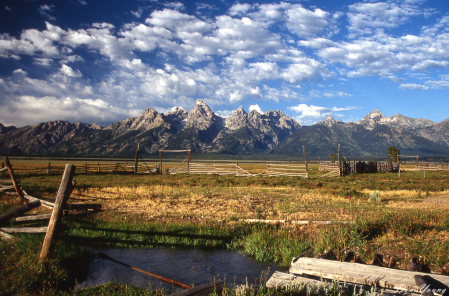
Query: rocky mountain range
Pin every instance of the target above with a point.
(242, 133)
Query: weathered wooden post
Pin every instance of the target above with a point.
(237, 167)
(339, 161)
(14, 181)
(304, 152)
(160, 162)
(98, 165)
(136, 161)
(3, 166)
(85, 167)
(268, 168)
(61, 198)
(215, 166)
(307, 170)
(189, 159)
(116, 167)
(417, 162)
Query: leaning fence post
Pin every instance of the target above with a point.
(65, 188)
(14, 181)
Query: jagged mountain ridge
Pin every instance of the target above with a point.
(203, 131)
(369, 137)
(200, 129)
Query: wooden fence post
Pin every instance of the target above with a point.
(307, 170)
(3, 166)
(215, 166)
(136, 160)
(304, 152)
(237, 167)
(339, 161)
(85, 167)
(189, 159)
(268, 168)
(61, 198)
(14, 181)
(116, 167)
(48, 168)
(160, 162)
(98, 164)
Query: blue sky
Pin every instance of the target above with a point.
(104, 61)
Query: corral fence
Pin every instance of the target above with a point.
(357, 167)
(432, 166)
(225, 168)
(86, 168)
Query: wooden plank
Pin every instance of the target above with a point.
(360, 274)
(44, 203)
(4, 188)
(4, 236)
(284, 280)
(20, 210)
(63, 195)
(14, 181)
(33, 218)
(24, 229)
(203, 290)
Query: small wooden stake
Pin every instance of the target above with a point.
(63, 195)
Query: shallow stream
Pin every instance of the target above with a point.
(189, 266)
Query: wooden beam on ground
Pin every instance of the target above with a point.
(215, 288)
(4, 188)
(14, 181)
(44, 203)
(363, 274)
(18, 211)
(42, 229)
(33, 218)
(61, 199)
(284, 280)
(5, 236)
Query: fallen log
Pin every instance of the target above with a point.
(33, 218)
(20, 210)
(159, 277)
(3, 188)
(293, 222)
(5, 236)
(44, 203)
(42, 229)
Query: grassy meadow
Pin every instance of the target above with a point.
(395, 216)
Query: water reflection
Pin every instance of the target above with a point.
(190, 266)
